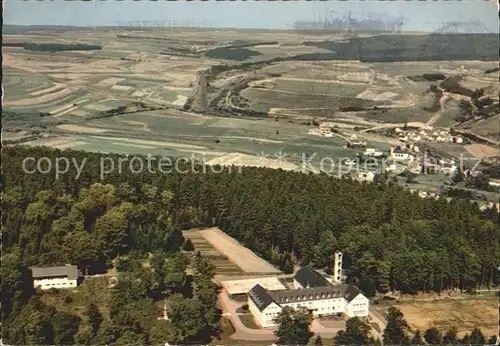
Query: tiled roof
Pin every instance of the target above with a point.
(70, 271)
(260, 297)
(308, 277)
(350, 292)
(319, 289)
(308, 294)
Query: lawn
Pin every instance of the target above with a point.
(94, 290)
(248, 321)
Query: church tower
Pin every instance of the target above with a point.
(337, 267)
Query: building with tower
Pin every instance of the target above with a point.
(312, 291)
(337, 267)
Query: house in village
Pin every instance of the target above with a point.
(398, 154)
(365, 176)
(312, 291)
(372, 152)
(55, 277)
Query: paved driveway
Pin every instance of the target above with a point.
(229, 307)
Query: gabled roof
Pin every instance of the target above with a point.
(307, 294)
(350, 292)
(70, 271)
(260, 297)
(308, 277)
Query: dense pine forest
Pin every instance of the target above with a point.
(392, 239)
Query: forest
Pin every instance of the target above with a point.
(392, 239)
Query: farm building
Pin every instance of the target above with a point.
(55, 277)
(312, 291)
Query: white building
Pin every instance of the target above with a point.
(365, 176)
(312, 291)
(55, 277)
(373, 152)
(400, 155)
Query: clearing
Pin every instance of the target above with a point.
(223, 266)
(237, 253)
(463, 312)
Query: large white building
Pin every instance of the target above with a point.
(55, 277)
(312, 291)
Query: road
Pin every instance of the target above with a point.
(386, 126)
(242, 332)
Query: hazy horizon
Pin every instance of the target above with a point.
(475, 16)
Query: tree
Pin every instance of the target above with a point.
(433, 336)
(130, 337)
(287, 264)
(477, 337)
(184, 314)
(492, 340)
(107, 334)
(323, 251)
(357, 332)
(458, 176)
(417, 338)
(395, 333)
(65, 326)
(450, 337)
(188, 245)
(84, 335)
(294, 326)
(95, 317)
(175, 271)
(161, 332)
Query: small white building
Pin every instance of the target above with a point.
(313, 292)
(373, 152)
(365, 176)
(398, 154)
(55, 277)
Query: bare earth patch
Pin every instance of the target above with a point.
(109, 81)
(465, 314)
(69, 145)
(238, 159)
(81, 129)
(154, 143)
(237, 253)
(48, 90)
(180, 101)
(481, 150)
(133, 145)
(41, 99)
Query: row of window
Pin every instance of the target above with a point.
(58, 284)
(311, 297)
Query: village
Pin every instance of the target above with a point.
(405, 157)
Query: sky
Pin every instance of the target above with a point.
(425, 16)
